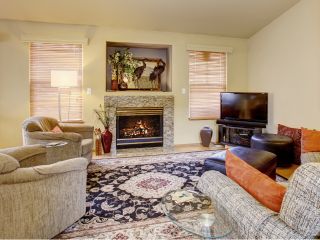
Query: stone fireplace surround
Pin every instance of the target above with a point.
(111, 103)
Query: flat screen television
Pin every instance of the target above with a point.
(247, 107)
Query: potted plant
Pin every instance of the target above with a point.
(123, 65)
(106, 136)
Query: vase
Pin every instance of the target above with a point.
(206, 135)
(106, 140)
(114, 85)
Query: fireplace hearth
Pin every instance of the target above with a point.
(139, 127)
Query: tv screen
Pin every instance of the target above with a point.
(251, 107)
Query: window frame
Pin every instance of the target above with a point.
(80, 97)
(225, 51)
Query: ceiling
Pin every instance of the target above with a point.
(232, 18)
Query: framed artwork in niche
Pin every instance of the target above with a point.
(148, 68)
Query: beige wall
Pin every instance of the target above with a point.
(14, 85)
(284, 60)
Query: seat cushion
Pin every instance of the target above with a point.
(264, 161)
(87, 145)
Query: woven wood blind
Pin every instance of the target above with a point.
(207, 78)
(48, 57)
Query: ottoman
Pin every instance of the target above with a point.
(265, 162)
(280, 145)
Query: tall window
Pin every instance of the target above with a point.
(56, 80)
(207, 78)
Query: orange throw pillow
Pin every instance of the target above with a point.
(310, 140)
(56, 129)
(260, 186)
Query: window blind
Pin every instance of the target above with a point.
(49, 58)
(207, 78)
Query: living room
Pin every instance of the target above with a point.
(270, 46)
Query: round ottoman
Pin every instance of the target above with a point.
(280, 145)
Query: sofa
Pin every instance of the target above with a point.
(310, 157)
(79, 137)
(39, 201)
(299, 216)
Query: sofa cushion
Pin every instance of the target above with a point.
(295, 134)
(301, 204)
(260, 186)
(87, 145)
(310, 157)
(310, 140)
(8, 163)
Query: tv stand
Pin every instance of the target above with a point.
(236, 134)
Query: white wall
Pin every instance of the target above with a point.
(14, 80)
(284, 60)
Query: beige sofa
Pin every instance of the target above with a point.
(79, 137)
(39, 201)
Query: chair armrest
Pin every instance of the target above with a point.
(69, 136)
(25, 152)
(30, 174)
(75, 164)
(86, 131)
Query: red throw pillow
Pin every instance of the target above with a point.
(295, 134)
(260, 186)
(56, 129)
(310, 140)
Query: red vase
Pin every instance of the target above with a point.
(106, 140)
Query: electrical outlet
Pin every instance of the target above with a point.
(89, 91)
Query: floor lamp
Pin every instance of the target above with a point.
(63, 79)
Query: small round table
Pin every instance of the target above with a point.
(280, 145)
(193, 212)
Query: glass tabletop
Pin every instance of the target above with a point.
(193, 212)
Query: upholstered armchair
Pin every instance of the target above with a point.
(79, 137)
(299, 216)
(39, 201)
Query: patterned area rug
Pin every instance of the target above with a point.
(123, 196)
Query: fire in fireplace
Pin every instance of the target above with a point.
(139, 127)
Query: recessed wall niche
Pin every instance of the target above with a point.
(153, 61)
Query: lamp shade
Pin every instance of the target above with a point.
(64, 78)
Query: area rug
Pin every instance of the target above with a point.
(123, 196)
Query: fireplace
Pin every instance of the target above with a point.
(139, 127)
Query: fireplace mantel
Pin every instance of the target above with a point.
(111, 104)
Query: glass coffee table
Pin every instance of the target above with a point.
(193, 212)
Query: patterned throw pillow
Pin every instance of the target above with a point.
(295, 134)
(310, 140)
(260, 186)
(56, 129)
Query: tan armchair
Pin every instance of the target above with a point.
(79, 137)
(39, 201)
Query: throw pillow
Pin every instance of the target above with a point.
(56, 129)
(310, 140)
(295, 134)
(260, 186)
(8, 163)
